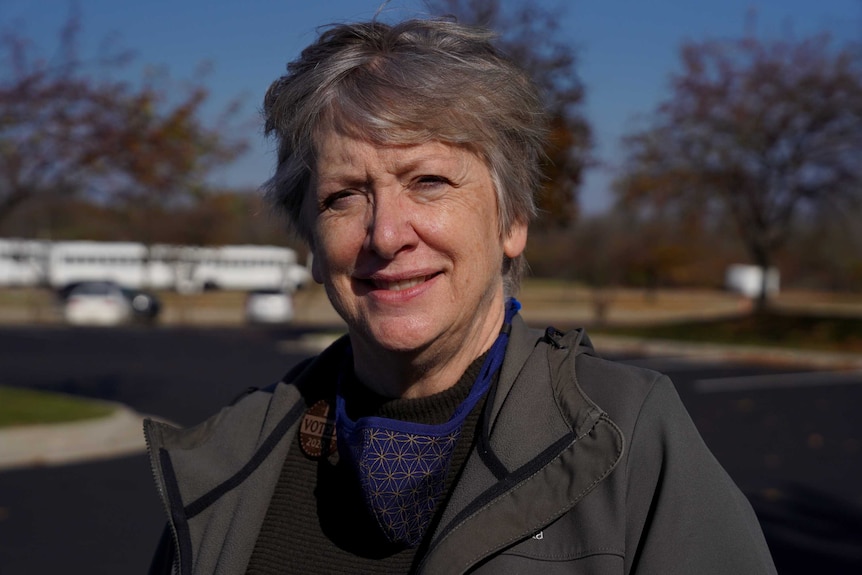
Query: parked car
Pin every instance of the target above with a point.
(268, 306)
(106, 303)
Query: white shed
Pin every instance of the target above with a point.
(748, 280)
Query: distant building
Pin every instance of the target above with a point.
(748, 280)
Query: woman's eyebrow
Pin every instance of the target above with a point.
(430, 161)
(334, 183)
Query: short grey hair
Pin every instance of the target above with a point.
(410, 83)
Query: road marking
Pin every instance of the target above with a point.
(668, 364)
(307, 344)
(778, 381)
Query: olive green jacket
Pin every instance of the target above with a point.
(582, 466)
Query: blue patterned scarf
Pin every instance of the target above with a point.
(401, 465)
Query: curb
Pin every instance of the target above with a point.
(717, 352)
(120, 433)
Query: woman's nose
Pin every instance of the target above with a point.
(390, 228)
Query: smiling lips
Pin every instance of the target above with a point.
(401, 285)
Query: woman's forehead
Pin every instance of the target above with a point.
(334, 149)
(401, 121)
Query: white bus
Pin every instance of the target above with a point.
(23, 262)
(184, 268)
(126, 263)
(246, 267)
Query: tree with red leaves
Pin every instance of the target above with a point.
(70, 127)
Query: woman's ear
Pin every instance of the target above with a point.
(316, 271)
(516, 240)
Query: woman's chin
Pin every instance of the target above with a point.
(398, 335)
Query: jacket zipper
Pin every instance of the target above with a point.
(165, 503)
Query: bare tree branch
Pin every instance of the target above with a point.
(767, 128)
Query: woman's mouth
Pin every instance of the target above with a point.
(400, 285)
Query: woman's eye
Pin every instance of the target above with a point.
(431, 182)
(338, 200)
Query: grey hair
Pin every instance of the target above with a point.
(409, 83)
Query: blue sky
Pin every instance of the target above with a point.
(627, 49)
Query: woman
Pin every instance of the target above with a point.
(440, 435)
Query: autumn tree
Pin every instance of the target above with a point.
(70, 127)
(531, 36)
(758, 132)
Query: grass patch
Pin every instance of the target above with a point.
(776, 329)
(28, 407)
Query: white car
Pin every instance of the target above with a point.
(96, 303)
(106, 303)
(268, 306)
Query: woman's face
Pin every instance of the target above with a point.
(406, 242)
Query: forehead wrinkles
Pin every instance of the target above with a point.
(338, 155)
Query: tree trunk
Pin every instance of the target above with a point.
(764, 261)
